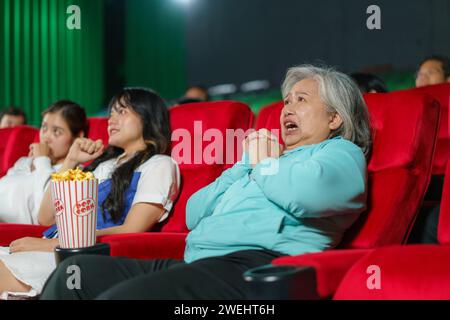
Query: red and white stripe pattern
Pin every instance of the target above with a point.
(76, 212)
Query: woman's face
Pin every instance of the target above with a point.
(304, 118)
(125, 128)
(56, 134)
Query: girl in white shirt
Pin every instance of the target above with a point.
(138, 184)
(21, 190)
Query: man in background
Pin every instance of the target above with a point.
(12, 117)
(193, 94)
(433, 70)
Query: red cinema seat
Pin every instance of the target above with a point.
(98, 129)
(412, 272)
(441, 93)
(202, 121)
(14, 144)
(405, 128)
(4, 136)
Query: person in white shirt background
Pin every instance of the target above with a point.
(22, 189)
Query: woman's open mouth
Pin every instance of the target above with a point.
(290, 127)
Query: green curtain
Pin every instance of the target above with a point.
(43, 61)
(155, 46)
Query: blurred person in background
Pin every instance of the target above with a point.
(434, 69)
(193, 94)
(11, 117)
(369, 83)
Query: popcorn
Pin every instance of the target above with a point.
(72, 175)
(74, 194)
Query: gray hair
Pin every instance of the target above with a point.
(340, 94)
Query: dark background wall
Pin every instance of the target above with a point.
(168, 44)
(242, 40)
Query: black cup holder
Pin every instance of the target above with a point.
(271, 282)
(62, 253)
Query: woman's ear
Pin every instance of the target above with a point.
(80, 134)
(335, 121)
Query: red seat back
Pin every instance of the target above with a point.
(4, 136)
(14, 144)
(98, 129)
(441, 93)
(407, 272)
(197, 127)
(405, 126)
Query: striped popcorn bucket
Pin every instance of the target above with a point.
(76, 212)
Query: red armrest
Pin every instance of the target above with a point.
(156, 245)
(10, 232)
(330, 266)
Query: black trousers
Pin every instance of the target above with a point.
(103, 277)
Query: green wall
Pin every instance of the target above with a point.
(43, 61)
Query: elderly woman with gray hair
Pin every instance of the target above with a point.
(276, 201)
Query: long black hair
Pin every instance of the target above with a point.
(154, 115)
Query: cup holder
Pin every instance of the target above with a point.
(62, 253)
(272, 282)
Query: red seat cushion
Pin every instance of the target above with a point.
(399, 167)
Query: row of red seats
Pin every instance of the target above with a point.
(406, 130)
